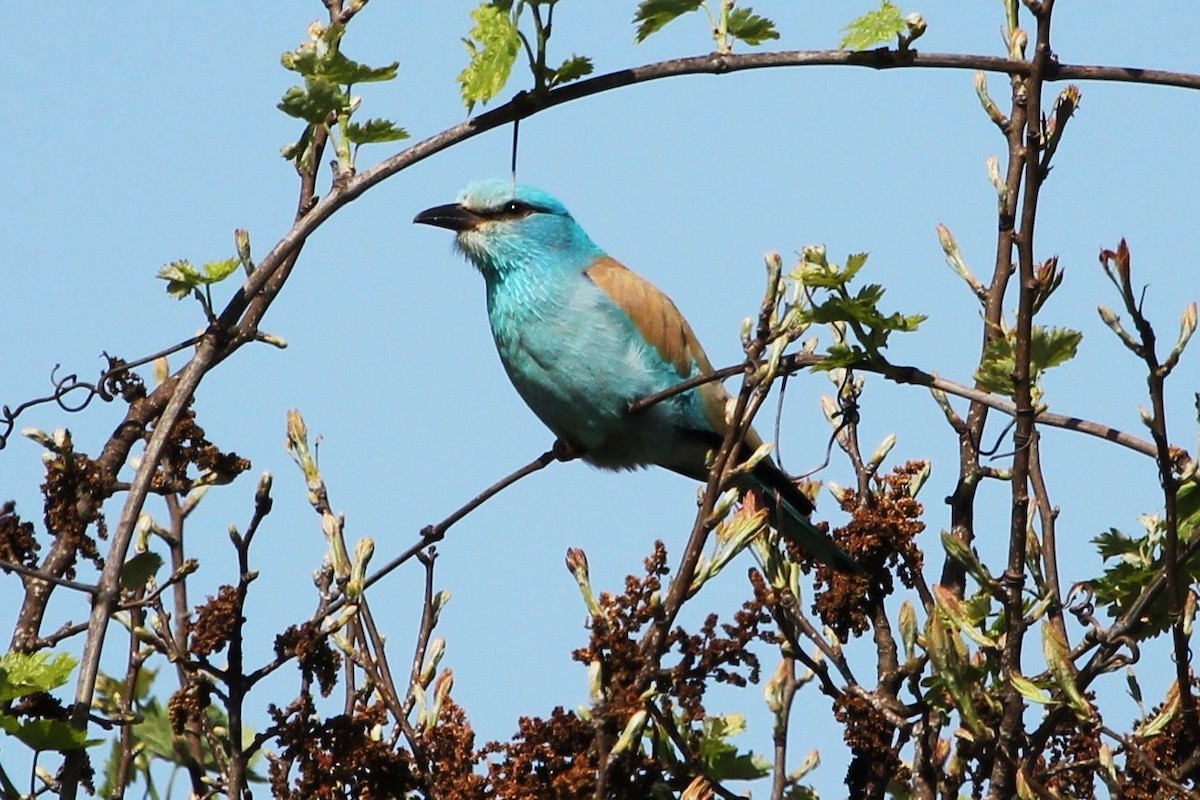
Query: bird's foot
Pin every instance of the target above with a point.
(566, 451)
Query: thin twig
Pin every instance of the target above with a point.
(1008, 758)
(435, 533)
(779, 732)
(36, 574)
(668, 726)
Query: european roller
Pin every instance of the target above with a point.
(582, 337)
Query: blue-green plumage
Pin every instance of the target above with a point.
(581, 337)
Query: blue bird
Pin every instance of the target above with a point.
(582, 337)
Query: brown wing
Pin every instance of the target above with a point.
(653, 313)
(661, 324)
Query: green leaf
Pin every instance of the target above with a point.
(319, 98)
(1053, 346)
(572, 69)
(957, 615)
(303, 60)
(1049, 348)
(1028, 689)
(112, 769)
(1114, 544)
(375, 131)
(181, 278)
(652, 15)
(1134, 562)
(816, 271)
(47, 734)
(722, 758)
(496, 42)
(1058, 658)
(138, 570)
(868, 325)
(217, 271)
(1170, 709)
(840, 355)
(23, 674)
(310, 57)
(749, 27)
(321, 58)
(155, 734)
(964, 554)
(854, 263)
(1187, 507)
(877, 27)
(340, 69)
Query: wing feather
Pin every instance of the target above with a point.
(652, 313)
(661, 324)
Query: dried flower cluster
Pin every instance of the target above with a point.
(550, 758)
(189, 446)
(876, 759)
(215, 624)
(1148, 761)
(75, 487)
(17, 542)
(449, 748)
(316, 658)
(880, 537)
(1073, 757)
(188, 706)
(342, 756)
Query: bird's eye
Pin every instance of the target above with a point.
(516, 207)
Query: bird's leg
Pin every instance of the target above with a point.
(563, 450)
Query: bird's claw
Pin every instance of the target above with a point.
(566, 451)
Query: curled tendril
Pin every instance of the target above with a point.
(62, 387)
(1118, 659)
(993, 452)
(1084, 609)
(116, 380)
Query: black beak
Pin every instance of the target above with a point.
(452, 216)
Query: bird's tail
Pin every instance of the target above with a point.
(791, 510)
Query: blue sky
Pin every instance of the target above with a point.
(142, 138)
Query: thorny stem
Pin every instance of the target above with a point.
(787, 629)
(428, 619)
(887, 662)
(962, 501)
(805, 626)
(237, 324)
(376, 660)
(748, 400)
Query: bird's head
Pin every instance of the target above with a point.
(504, 228)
